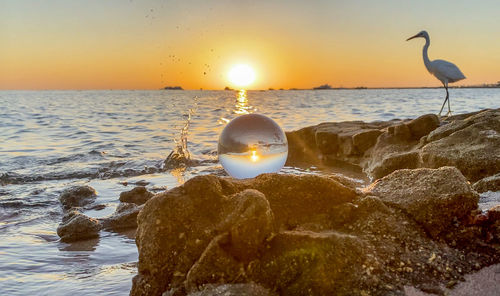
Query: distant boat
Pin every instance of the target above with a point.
(324, 86)
(173, 88)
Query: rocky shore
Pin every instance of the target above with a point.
(416, 225)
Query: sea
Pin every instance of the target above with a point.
(115, 140)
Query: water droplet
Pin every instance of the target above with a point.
(252, 144)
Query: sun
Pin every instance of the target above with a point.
(241, 75)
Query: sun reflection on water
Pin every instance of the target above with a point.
(242, 106)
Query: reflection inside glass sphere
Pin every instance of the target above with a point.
(252, 144)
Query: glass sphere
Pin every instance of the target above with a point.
(252, 144)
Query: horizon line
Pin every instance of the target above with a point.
(256, 89)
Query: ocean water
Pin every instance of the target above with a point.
(50, 140)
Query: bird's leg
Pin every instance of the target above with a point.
(447, 95)
(449, 109)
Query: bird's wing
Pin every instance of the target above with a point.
(447, 70)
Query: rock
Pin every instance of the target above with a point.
(77, 196)
(310, 263)
(77, 226)
(423, 125)
(124, 217)
(302, 146)
(139, 195)
(491, 183)
(471, 145)
(494, 213)
(247, 289)
(433, 197)
(296, 200)
(347, 146)
(394, 150)
(215, 265)
(400, 131)
(393, 162)
(349, 139)
(176, 227)
(327, 141)
(312, 235)
(365, 139)
(467, 141)
(250, 220)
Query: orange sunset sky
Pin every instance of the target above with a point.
(122, 44)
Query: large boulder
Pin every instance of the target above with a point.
(77, 226)
(472, 145)
(312, 235)
(433, 197)
(177, 228)
(77, 196)
(139, 195)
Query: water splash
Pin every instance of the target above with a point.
(180, 156)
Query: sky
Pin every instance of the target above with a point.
(125, 44)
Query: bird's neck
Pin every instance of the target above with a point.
(427, 62)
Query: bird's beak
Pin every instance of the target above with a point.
(412, 37)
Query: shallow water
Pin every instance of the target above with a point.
(50, 140)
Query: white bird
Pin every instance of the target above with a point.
(445, 71)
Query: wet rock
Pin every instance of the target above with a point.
(491, 183)
(77, 196)
(125, 217)
(77, 226)
(179, 158)
(423, 125)
(139, 195)
(247, 289)
(433, 197)
(471, 145)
